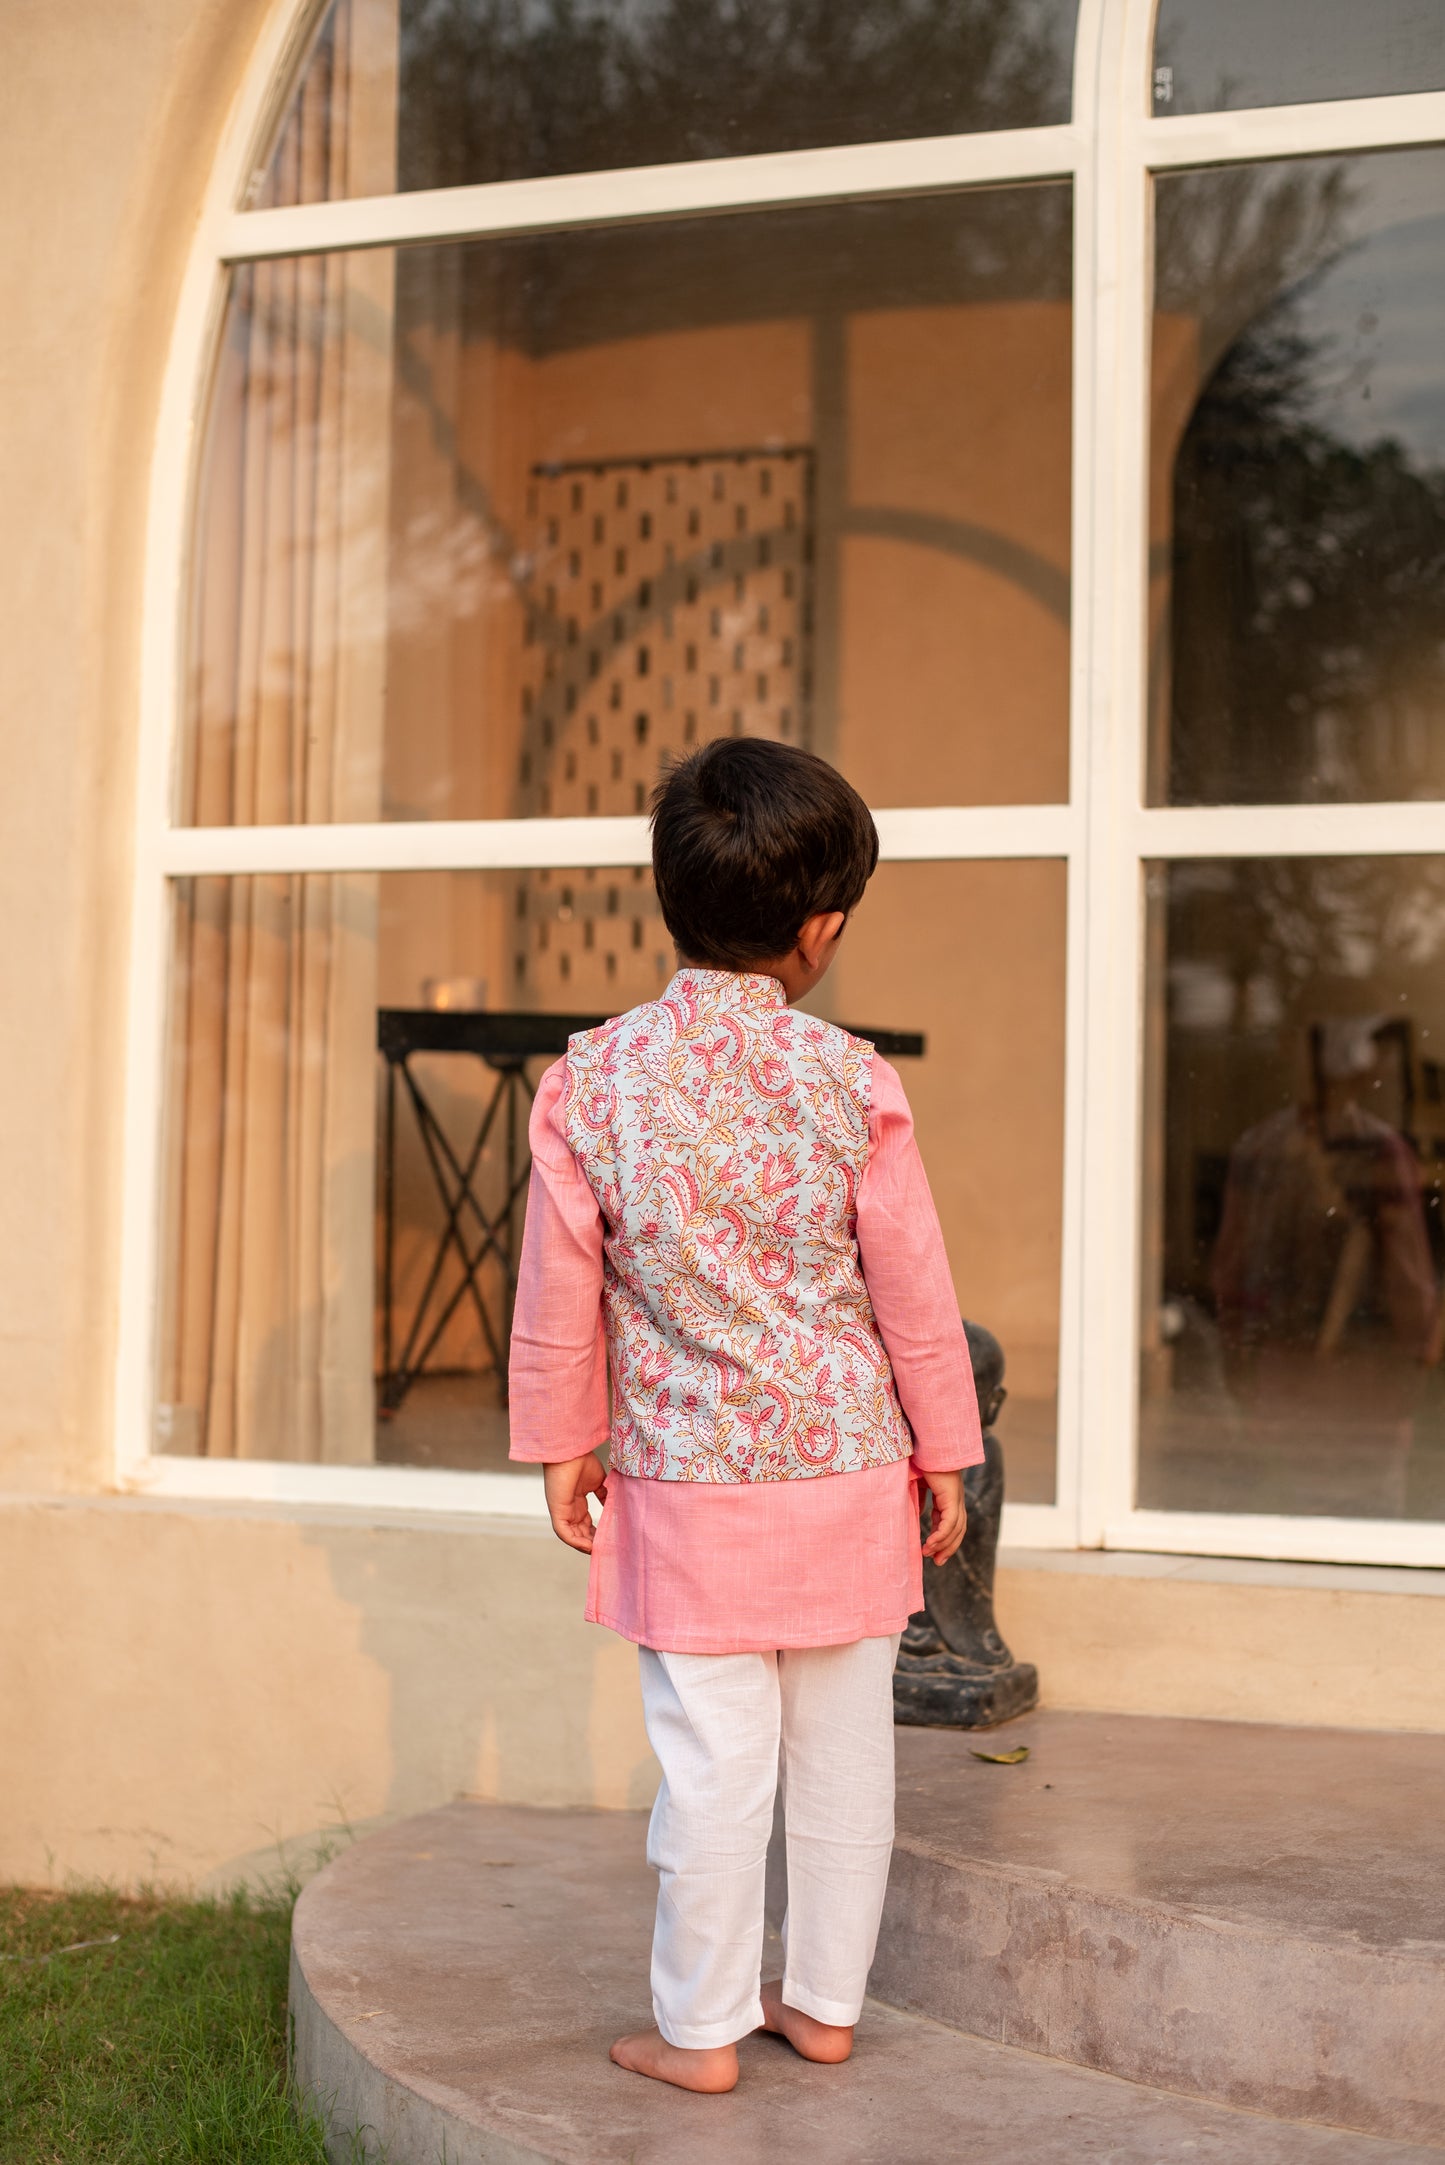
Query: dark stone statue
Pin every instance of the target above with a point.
(954, 1671)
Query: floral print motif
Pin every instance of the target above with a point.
(724, 1136)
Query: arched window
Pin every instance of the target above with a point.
(589, 381)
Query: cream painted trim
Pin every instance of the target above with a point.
(250, 1480)
(978, 831)
(183, 390)
(1289, 830)
(1291, 131)
(1305, 1540)
(409, 1488)
(406, 846)
(911, 833)
(705, 187)
(1115, 559)
(1039, 1525)
(969, 831)
(295, 28)
(1059, 1523)
(1195, 1570)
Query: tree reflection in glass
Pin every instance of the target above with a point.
(1299, 486)
(1218, 55)
(492, 90)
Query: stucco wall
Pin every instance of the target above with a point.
(188, 1694)
(109, 118)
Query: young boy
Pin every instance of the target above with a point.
(729, 1223)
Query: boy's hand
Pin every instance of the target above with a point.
(568, 1487)
(950, 1516)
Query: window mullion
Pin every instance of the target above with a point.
(1118, 546)
(849, 172)
(1291, 830)
(1073, 1427)
(907, 834)
(1294, 131)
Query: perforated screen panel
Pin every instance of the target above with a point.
(668, 602)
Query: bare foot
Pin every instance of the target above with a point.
(649, 2053)
(825, 2041)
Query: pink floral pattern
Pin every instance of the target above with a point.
(724, 1136)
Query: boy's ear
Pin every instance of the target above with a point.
(818, 933)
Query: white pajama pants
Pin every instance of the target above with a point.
(725, 1728)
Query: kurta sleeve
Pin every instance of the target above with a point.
(558, 1368)
(905, 1267)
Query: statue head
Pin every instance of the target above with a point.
(986, 1354)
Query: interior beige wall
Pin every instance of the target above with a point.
(954, 666)
(973, 955)
(109, 117)
(204, 1693)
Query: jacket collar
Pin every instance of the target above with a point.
(726, 988)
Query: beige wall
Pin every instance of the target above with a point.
(109, 117)
(190, 1694)
(1312, 1645)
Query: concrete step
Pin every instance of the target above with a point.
(1235, 1911)
(457, 1978)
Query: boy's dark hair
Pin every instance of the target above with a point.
(750, 838)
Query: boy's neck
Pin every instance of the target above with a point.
(804, 966)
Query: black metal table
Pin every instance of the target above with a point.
(504, 1043)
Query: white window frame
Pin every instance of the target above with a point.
(1126, 834)
(1104, 835)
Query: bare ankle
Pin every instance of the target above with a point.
(829, 2043)
(710, 2070)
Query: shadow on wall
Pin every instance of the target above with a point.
(497, 1688)
(449, 1659)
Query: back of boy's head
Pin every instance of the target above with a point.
(750, 838)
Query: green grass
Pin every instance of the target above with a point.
(166, 2048)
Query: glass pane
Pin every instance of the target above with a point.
(1295, 1163)
(1213, 55)
(344, 1048)
(973, 956)
(1298, 508)
(489, 530)
(351, 1063)
(441, 93)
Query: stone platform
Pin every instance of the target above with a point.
(1237, 1911)
(1253, 1915)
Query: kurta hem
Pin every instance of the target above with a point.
(681, 1642)
(752, 1569)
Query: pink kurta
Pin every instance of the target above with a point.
(746, 1567)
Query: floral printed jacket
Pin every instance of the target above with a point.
(724, 1136)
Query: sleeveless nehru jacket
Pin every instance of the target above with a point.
(724, 1136)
